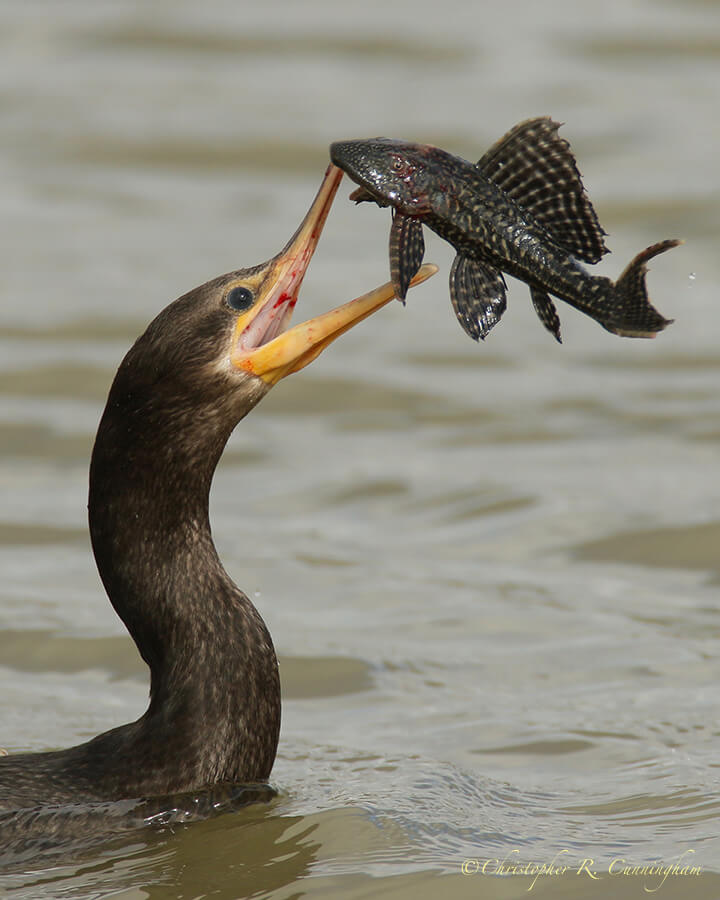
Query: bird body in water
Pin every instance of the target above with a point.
(200, 367)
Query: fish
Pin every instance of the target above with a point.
(522, 210)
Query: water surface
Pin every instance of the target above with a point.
(491, 572)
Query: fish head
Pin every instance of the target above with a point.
(393, 173)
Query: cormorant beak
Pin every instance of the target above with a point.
(261, 346)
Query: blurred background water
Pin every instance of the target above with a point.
(491, 572)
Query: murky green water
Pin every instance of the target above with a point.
(491, 571)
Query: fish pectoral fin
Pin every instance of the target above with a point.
(407, 248)
(536, 168)
(545, 309)
(477, 292)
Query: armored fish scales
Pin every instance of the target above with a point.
(521, 210)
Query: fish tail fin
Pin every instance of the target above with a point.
(633, 315)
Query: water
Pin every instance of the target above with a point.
(491, 572)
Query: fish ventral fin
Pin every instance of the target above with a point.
(407, 248)
(546, 311)
(477, 292)
(536, 168)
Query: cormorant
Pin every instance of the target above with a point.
(201, 365)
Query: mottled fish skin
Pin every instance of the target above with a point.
(521, 210)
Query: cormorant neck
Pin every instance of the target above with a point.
(214, 695)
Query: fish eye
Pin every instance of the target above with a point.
(240, 298)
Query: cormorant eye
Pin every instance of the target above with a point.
(240, 298)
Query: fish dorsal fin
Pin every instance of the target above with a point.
(535, 167)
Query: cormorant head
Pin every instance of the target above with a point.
(213, 353)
